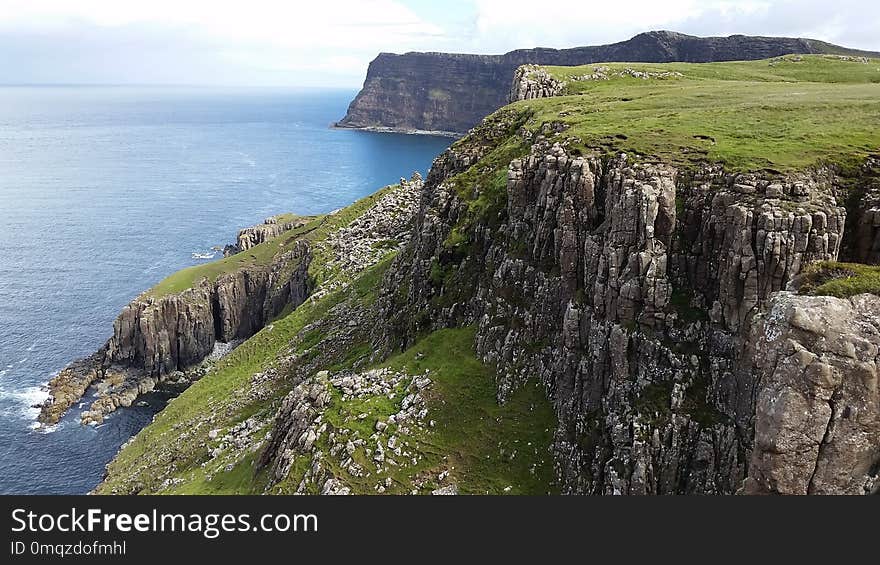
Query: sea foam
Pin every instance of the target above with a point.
(26, 400)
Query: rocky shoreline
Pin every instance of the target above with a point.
(405, 131)
(661, 307)
(173, 340)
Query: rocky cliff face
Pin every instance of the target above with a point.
(156, 339)
(654, 300)
(171, 333)
(862, 242)
(272, 227)
(453, 92)
(630, 289)
(817, 420)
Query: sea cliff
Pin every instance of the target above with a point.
(451, 92)
(572, 301)
(162, 336)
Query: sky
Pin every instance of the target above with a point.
(331, 42)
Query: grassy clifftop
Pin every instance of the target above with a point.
(209, 439)
(264, 254)
(782, 114)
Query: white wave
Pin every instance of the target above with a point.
(211, 255)
(43, 428)
(27, 400)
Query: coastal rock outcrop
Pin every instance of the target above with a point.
(817, 421)
(69, 386)
(160, 335)
(255, 235)
(160, 338)
(167, 337)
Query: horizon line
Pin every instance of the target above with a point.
(164, 85)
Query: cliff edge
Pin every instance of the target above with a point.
(450, 93)
(629, 282)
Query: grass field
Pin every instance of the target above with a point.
(781, 114)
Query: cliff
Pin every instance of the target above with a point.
(634, 314)
(271, 228)
(577, 301)
(175, 332)
(159, 335)
(446, 92)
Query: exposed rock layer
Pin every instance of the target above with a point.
(862, 241)
(176, 331)
(630, 289)
(156, 338)
(817, 421)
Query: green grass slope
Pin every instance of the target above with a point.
(263, 255)
(483, 446)
(781, 114)
(842, 280)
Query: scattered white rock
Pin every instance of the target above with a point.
(447, 490)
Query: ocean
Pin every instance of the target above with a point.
(104, 191)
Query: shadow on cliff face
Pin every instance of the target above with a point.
(634, 292)
(161, 339)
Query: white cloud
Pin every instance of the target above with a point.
(330, 42)
(278, 22)
(337, 37)
(507, 24)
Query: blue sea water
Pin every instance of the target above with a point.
(106, 190)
